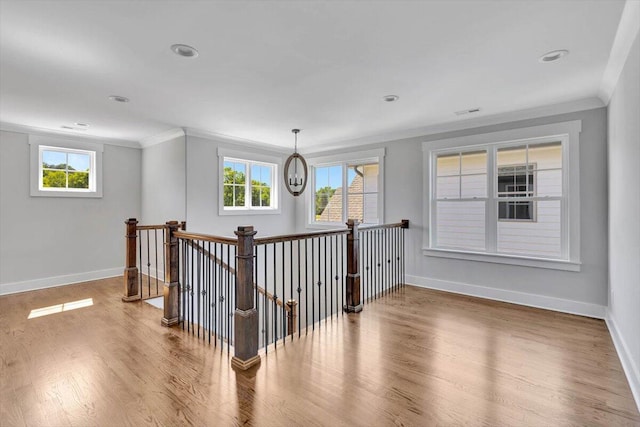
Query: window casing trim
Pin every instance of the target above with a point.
(568, 132)
(38, 143)
(250, 158)
(344, 160)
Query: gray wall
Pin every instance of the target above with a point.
(202, 194)
(46, 241)
(164, 182)
(403, 199)
(624, 216)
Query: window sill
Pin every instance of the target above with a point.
(552, 264)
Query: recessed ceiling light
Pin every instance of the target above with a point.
(82, 125)
(184, 50)
(390, 98)
(65, 127)
(554, 55)
(118, 98)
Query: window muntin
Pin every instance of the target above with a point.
(66, 169)
(248, 185)
(524, 213)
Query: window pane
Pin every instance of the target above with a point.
(238, 199)
(355, 180)
(448, 164)
(328, 194)
(54, 160)
(448, 187)
(510, 156)
(549, 183)
(474, 163)
(79, 180)
(517, 210)
(473, 186)
(540, 238)
(54, 179)
(371, 178)
(546, 156)
(370, 214)
(461, 224)
(79, 162)
(355, 207)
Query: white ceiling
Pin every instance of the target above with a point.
(266, 67)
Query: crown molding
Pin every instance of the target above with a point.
(200, 133)
(477, 122)
(32, 130)
(162, 137)
(625, 37)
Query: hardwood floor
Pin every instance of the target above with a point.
(418, 357)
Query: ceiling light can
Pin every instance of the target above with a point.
(390, 98)
(118, 98)
(554, 55)
(184, 50)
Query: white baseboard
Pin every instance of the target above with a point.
(531, 300)
(631, 369)
(50, 282)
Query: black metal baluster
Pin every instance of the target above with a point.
(306, 286)
(313, 281)
(326, 282)
(299, 289)
(275, 296)
(282, 297)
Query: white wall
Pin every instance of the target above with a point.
(49, 241)
(624, 218)
(582, 292)
(202, 194)
(164, 182)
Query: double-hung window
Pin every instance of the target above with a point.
(346, 187)
(248, 185)
(500, 198)
(61, 168)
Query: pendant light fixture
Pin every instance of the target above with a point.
(295, 170)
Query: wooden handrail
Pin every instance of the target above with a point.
(151, 227)
(403, 224)
(300, 236)
(206, 238)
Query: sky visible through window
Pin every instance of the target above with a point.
(78, 162)
(331, 175)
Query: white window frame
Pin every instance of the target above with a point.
(568, 133)
(344, 160)
(38, 144)
(250, 159)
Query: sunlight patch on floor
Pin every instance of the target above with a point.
(156, 302)
(59, 308)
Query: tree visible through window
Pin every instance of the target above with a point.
(63, 169)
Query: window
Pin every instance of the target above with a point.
(65, 168)
(248, 183)
(346, 187)
(506, 198)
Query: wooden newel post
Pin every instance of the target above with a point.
(245, 339)
(354, 305)
(292, 314)
(171, 282)
(131, 290)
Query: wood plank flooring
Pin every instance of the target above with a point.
(415, 358)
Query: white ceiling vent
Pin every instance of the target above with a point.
(469, 111)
